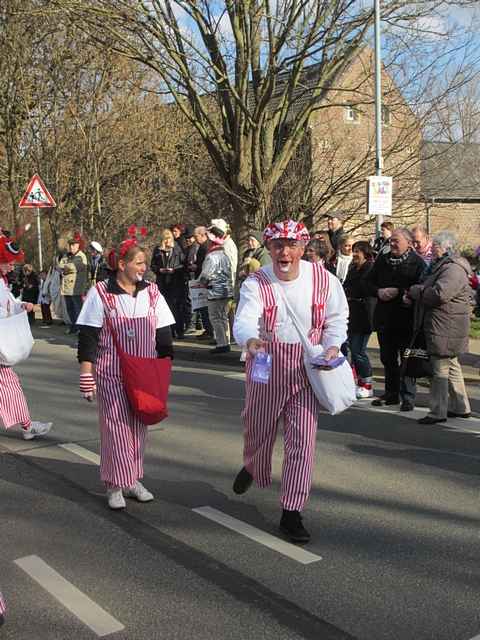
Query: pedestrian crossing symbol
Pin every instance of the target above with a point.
(36, 195)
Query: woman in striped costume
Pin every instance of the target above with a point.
(13, 404)
(262, 323)
(141, 319)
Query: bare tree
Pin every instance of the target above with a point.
(236, 69)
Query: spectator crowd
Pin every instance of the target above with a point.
(403, 285)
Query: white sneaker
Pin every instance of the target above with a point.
(116, 499)
(36, 429)
(138, 492)
(362, 392)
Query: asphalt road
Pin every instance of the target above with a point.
(394, 518)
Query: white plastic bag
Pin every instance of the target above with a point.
(333, 388)
(16, 340)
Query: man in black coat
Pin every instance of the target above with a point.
(391, 276)
(335, 221)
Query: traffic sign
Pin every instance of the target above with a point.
(36, 195)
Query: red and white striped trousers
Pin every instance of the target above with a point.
(122, 435)
(287, 395)
(13, 404)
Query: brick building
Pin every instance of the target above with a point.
(450, 189)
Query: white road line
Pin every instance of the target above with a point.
(81, 451)
(290, 550)
(85, 609)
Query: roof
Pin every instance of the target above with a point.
(451, 171)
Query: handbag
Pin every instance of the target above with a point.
(416, 362)
(146, 381)
(16, 338)
(333, 388)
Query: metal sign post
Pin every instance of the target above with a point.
(39, 239)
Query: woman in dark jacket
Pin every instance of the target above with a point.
(445, 304)
(360, 323)
(168, 264)
(31, 289)
(391, 276)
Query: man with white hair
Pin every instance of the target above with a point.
(263, 324)
(97, 265)
(229, 246)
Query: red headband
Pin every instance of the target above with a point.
(115, 255)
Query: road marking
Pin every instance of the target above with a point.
(81, 451)
(85, 609)
(292, 551)
(219, 373)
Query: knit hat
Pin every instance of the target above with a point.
(189, 231)
(97, 246)
(288, 229)
(258, 235)
(220, 223)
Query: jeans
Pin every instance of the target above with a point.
(392, 345)
(360, 360)
(74, 306)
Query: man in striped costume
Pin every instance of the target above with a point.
(262, 323)
(13, 405)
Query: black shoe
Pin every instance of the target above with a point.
(430, 420)
(291, 525)
(450, 414)
(406, 406)
(224, 349)
(243, 481)
(385, 399)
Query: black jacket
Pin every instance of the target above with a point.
(201, 255)
(360, 304)
(394, 315)
(31, 286)
(335, 237)
(171, 281)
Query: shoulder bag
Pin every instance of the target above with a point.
(146, 380)
(16, 340)
(333, 388)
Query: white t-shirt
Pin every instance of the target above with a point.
(299, 294)
(7, 300)
(92, 313)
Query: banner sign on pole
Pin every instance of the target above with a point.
(379, 196)
(36, 195)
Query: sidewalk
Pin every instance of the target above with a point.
(195, 350)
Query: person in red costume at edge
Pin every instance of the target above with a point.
(141, 319)
(13, 404)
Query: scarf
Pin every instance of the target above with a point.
(395, 262)
(341, 270)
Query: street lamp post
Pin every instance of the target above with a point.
(378, 106)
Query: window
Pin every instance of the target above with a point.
(352, 114)
(385, 115)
